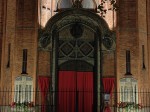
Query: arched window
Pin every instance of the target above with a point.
(23, 89)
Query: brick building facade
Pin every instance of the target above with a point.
(23, 23)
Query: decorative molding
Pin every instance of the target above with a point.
(109, 41)
(23, 89)
(128, 88)
(44, 38)
(71, 16)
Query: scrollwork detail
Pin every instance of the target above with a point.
(108, 41)
(44, 39)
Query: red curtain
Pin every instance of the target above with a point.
(43, 86)
(66, 91)
(75, 91)
(85, 91)
(108, 84)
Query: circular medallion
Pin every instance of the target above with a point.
(76, 30)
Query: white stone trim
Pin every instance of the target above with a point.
(23, 89)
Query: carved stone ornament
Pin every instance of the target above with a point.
(71, 17)
(108, 41)
(44, 39)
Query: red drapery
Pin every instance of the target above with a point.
(66, 89)
(108, 84)
(85, 89)
(44, 82)
(75, 91)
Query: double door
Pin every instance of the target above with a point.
(75, 91)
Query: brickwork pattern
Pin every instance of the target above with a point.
(44, 63)
(21, 32)
(21, 27)
(108, 63)
(142, 34)
(127, 37)
(148, 36)
(1, 28)
(132, 34)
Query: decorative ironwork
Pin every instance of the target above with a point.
(7, 106)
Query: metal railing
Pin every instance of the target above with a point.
(73, 101)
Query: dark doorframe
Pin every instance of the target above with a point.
(96, 68)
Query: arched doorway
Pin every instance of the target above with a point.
(74, 38)
(75, 53)
(76, 59)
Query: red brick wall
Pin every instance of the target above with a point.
(127, 37)
(26, 13)
(8, 34)
(148, 34)
(26, 36)
(44, 63)
(22, 33)
(142, 33)
(131, 35)
(1, 29)
(108, 64)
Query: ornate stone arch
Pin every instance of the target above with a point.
(104, 40)
(70, 16)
